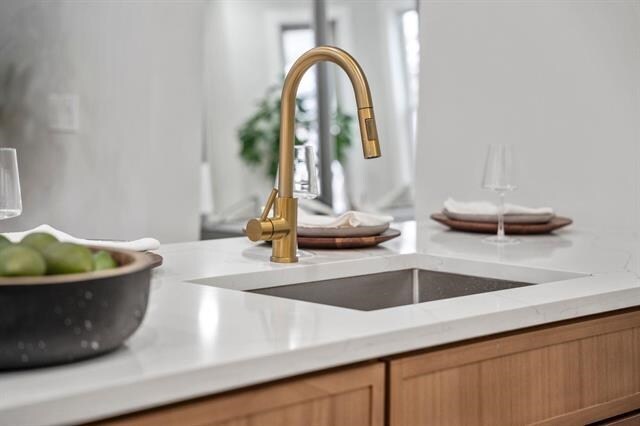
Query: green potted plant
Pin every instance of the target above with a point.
(259, 136)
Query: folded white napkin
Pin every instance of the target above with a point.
(142, 244)
(488, 208)
(485, 211)
(350, 219)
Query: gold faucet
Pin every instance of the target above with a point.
(282, 227)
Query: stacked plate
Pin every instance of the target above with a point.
(358, 231)
(349, 230)
(481, 217)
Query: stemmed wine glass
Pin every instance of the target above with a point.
(499, 177)
(10, 198)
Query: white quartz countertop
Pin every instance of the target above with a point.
(202, 339)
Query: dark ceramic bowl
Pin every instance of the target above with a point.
(64, 318)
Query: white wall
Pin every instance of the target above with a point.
(133, 167)
(560, 80)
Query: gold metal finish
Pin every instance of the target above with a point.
(282, 228)
(259, 230)
(368, 133)
(269, 204)
(285, 248)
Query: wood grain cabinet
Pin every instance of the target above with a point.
(577, 372)
(348, 397)
(573, 373)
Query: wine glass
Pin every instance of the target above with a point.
(305, 172)
(499, 177)
(10, 198)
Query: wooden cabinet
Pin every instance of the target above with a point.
(570, 373)
(347, 397)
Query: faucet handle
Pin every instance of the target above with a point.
(269, 204)
(264, 228)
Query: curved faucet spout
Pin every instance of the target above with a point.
(282, 227)
(366, 117)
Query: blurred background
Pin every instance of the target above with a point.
(157, 118)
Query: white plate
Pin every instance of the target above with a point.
(508, 218)
(358, 231)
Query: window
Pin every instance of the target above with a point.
(297, 39)
(411, 42)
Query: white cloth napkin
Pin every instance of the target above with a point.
(142, 244)
(485, 211)
(350, 219)
(488, 208)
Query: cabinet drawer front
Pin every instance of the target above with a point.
(572, 373)
(353, 396)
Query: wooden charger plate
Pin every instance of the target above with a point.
(556, 222)
(347, 242)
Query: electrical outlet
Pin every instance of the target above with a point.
(64, 112)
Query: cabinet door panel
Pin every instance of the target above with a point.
(570, 373)
(353, 396)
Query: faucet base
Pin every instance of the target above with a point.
(285, 248)
(293, 259)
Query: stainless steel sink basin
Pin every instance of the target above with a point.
(389, 289)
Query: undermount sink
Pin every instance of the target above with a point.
(389, 289)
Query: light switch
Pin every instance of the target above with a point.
(64, 112)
